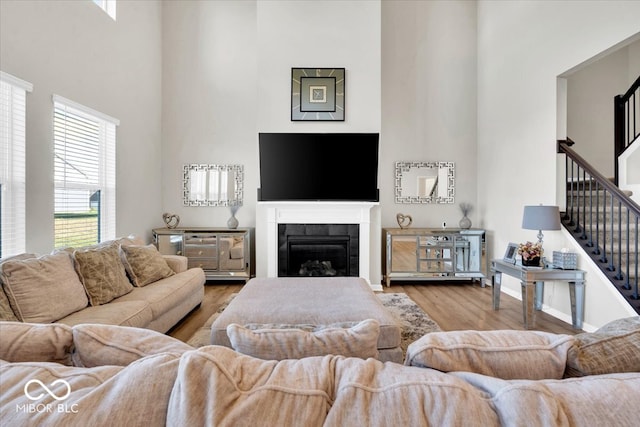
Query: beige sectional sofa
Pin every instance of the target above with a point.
(122, 282)
(107, 375)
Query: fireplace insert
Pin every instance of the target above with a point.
(318, 250)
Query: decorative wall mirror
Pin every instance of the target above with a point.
(212, 185)
(424, 182)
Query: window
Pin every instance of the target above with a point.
(108, 6)
(13, 97)
(84, 144)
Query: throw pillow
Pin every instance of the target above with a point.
(506, 354)
(32, 342)
(360, 340)
(98, 345)
(611, 349)
(144, 264)
(102, 273)
(6, 312)
(44, 289)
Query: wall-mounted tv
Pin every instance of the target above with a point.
(318, 166)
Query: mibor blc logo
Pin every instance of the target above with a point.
(35, 390)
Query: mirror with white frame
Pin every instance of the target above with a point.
(212, 185)
(424, 182)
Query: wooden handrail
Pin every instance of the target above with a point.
(564, 147)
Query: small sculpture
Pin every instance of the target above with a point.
(404, 221)
(172, 220)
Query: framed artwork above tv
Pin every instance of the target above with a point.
(317, 94)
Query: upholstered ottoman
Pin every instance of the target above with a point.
(287, 301)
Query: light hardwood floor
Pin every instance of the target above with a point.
(454, 306)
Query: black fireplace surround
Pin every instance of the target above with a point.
(318, 250)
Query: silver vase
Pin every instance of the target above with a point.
(232, 223)
(465, 223)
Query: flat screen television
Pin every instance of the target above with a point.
(318, 166)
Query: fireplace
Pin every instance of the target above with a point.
(270, 215)
(318, 250)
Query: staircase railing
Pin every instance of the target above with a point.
(604, 220)
(626, 116)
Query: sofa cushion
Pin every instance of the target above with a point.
(122, 313)
(44, 289)
(371, 393)
(97, 345)
(102, 273)
(613, 348)
(145, 264)
(239, 390)
(134, 395)
(35, 342)
(162, 296)
(278, 344)
(587, 401)
(506, 354)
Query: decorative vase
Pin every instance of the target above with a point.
(531, 262)
(465, 223)
(232, 223)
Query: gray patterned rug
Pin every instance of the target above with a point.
(414, 321)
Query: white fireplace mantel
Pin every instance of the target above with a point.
(270, 214)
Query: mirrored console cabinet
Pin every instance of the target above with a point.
(222, 253)
(433, 254)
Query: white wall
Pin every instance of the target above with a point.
(522, 48)
(74, 49)
(209, 100)
(590, 93)
(429, 102)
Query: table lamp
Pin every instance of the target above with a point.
(541, 218)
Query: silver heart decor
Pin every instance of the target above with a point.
(172, 220)
(404, 221)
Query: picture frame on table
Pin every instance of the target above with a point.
(510, 253)
(317, 94)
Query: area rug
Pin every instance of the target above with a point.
(413, 320)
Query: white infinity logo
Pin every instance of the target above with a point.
(52, 394)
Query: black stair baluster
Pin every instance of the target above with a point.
(589, 244)
(573, 183)
(611, 266)
(583, 192)
(603, 258)
(619, 276)
(627, 283)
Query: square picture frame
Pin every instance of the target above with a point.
(317, 94)
(510, 253)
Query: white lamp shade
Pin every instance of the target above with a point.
(541, 218)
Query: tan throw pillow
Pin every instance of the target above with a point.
(102, 274)
(32, 342)
(278, 344)
(6, 312)
(144, 264)
(506, 354)
(98, 345)
(611, 349)
(43, 290)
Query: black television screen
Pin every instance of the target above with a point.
(318, 166)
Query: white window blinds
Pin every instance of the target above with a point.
(13, 95)
(84, 174)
